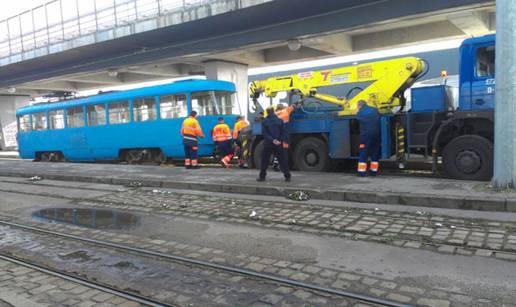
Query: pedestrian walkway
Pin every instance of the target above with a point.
(400, 190)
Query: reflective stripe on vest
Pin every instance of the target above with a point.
(221, 133)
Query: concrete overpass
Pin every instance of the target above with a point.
(112, 43)
(63, 46)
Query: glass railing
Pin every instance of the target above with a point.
(63, 20)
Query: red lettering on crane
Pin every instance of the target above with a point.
(325, 75)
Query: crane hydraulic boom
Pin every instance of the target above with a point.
(388, 80)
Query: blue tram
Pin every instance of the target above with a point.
(135, 125)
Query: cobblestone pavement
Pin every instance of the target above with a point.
(169, 282)
(411, 230)
(21, 286)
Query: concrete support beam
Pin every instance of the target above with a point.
(337, 44)
(404, 36)
(8, 106)
(285, 55)
(505, 105)
(100, 78)
(475, 23)
(233, 72)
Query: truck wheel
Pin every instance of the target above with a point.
(311, 154)
(257, 156)
(469, 157)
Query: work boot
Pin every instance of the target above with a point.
(260, 179)
(288, 179)
(195, 167)
(188, 166)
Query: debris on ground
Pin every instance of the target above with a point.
(452, 227)
(291, 221)
(233, 202)
(182, 206)
(253, 214)
(35, 178)
(420, 212)
(134, 184)
(299, 196)
(438, 224)
(376, 209)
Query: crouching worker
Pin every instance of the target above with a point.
(369, 121)
(223, 142)
(191, 131)
(240, 124)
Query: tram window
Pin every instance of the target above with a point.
(214, 103)
(96, 115)
(485, 62)
(39, 121)
(119, 112)
(172, 106)
(144, 109)
(24, 123)
(75, 117)
(56, 119)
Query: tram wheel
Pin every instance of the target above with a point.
(133, 156)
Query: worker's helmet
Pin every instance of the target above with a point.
(221, 119)
(281, 106)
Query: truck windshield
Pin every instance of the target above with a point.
(215, 103)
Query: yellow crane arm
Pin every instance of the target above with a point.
(389, 80)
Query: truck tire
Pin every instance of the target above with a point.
(257, 155)
(469, 157)
(311, 155)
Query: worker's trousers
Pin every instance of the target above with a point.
(225, 151)
(369, 148)
(279, 152)
(191, 155)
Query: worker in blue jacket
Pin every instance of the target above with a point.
(369, 120)
(275, 140)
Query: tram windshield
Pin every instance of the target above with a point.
(215, 103)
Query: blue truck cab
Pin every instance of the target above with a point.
(432, 124)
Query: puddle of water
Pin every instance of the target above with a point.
(90, 218)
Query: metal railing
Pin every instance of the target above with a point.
(62, 20)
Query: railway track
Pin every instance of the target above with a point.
(84, 282)
(176, 258)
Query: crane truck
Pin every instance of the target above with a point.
(325, 128)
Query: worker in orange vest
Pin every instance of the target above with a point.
(191, 131)
(240, 124)
(221, 135)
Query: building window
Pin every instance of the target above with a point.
(172, 106)
(24, 123)
(214, 103)
(56, 119)
(39, 121)
(485, 62)
(97, 115)
(75, 117)
(144, 109)
(119, 112)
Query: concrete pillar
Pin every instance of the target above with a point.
(233, 72)
(505, 106)
(8, 106)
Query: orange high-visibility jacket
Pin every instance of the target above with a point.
(239, 125)
(221, 133)
(191, 129)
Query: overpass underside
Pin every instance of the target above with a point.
(252, 33)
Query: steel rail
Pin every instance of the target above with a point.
(286, 281)
(84, 282)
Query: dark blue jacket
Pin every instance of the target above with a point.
(369, 120)
(273, 128)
